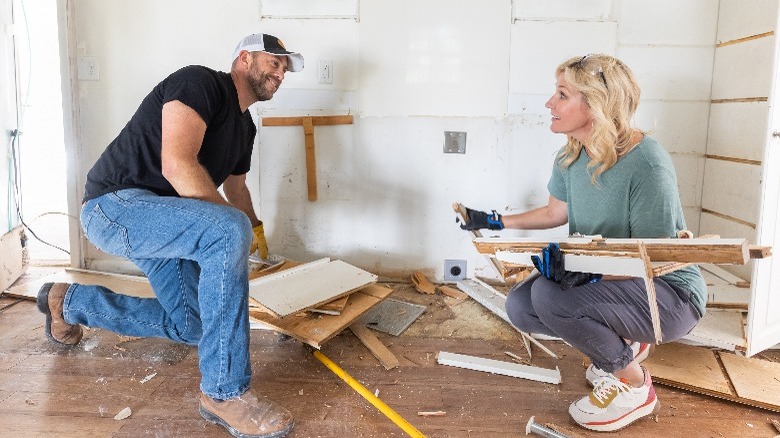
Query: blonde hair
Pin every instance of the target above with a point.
(612, 94)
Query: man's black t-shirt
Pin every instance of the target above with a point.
(133, 159)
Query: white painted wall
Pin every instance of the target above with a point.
(408, 71)
(741, 87)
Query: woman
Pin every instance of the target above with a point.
(613, 180)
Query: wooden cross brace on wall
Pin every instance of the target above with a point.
(308, 123)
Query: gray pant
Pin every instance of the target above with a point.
(595, 318)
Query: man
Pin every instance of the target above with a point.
(152, 197)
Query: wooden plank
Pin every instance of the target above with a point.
(132, 285)
(500, 367)
(316, 120)
(332, 307)
(650, 289)
(745, 39)
(13, 257)
(308, 286)
(375, 346)
(315, 330)
(729, 218)
(697, 250)
(311, 160)
(687, 366)
(733, 159)
(755, 380)
(759, 252)
(697, 369)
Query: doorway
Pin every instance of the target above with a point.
(40, 189)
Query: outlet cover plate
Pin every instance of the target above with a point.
(454, 142)
(454, 270)
(88, 68)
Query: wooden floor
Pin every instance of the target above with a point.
(46, 390)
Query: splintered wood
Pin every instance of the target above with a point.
(698, 250)
(316, 329)
(630, 257)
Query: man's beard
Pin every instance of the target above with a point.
(258, 86)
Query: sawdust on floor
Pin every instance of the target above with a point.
(445, 317)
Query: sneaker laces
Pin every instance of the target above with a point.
(605, 387)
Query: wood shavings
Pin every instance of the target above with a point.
(124, 413)
(148, 378)
(431, 413)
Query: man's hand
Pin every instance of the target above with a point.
(551, 265)
(479, 219)
(258, 242)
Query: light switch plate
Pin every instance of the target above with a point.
(454, 142)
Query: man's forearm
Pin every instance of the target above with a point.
(239, 197)
(192, 181)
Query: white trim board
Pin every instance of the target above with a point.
(308, 286)
(499, 367)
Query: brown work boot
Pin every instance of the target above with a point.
(247, 417)
(51, 298)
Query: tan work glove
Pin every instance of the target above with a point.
(258, 242)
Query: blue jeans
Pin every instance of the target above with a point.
(595, 318)
(194, 254)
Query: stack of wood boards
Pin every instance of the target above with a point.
(319, 288)
(290, 298)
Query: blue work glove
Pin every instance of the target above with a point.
(550, 264)
(479, 219)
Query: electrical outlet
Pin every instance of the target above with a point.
(454, 270)
(88, 68)
(326, 71)
(454, 142)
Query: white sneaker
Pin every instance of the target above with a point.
(614, 404)
(593, 373)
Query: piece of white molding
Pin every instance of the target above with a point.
(499, 367)
(607, 265)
